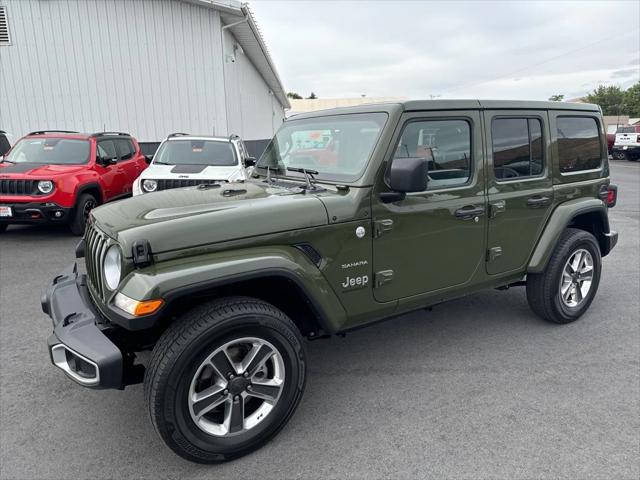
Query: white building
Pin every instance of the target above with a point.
(147, 67)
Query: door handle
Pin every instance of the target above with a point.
(537, 202)
(468, 212)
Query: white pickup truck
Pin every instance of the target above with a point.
(627, 144)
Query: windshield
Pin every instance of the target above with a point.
(338, 147)
(50, 151)
(626, 130)
(196, 152)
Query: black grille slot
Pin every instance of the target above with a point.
(311, 253)
(19, 187)
(167, 184)
(96, 249)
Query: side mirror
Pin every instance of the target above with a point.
(1, 158)
(406, 175)
(249, 161)
(148, 158)
(105, 162)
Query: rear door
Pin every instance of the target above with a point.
(435, 239)
(520, 185)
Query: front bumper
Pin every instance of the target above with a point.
(78, 345)
(37, 212)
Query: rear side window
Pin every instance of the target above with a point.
(446, 144)
(125, 148)
(517, 148)
(578, 144)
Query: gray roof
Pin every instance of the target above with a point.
(415, 105)
(248, 35)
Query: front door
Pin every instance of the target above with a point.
(433, 240)
(519, 184)
(106, 151)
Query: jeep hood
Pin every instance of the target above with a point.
(188, 217)
(38, 169)
(191, 172)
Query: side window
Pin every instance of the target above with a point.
(517, 148)
(107, 150)
(446, 144)
(124, 148)
(578, 144)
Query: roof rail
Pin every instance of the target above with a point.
(177, 134)
(43, 132)
(233, 136)
(100, 134)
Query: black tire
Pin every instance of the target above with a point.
(187, 343)
(619, 155)
(543, 289)
(85, 204)
(3, 227)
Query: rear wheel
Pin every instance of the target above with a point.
(567, 286)
(618, 155)
(225, 378)
(85, 204)
(3, 227)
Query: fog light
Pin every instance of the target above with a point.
(57, 214)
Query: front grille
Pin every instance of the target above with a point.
(167, 184)
(19, 187)
(96, 244)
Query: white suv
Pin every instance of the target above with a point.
(184, 160)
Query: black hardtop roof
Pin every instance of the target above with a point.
(418, 105)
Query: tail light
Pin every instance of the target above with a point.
(609, 195)
(638, 139)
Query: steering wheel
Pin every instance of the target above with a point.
(506, 172)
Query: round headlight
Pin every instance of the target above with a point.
(45, 186)
(112, 267)
(149, 185)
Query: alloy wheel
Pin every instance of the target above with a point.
(577, 277)
(236, 387)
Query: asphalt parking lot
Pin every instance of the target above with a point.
(477, 388)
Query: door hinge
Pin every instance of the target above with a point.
(494, 253)
(382, 226)
(496, 208)
(383, 277)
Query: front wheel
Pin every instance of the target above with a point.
(567, 286)
(3, 227)
(225, 378)
(85, 204)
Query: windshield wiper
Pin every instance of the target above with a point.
(158, 162)
(308, 175)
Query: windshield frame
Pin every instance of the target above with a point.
(8, 157)
(232, 146)
(325, 177)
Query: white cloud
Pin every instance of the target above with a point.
(454, 49)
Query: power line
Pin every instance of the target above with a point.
(515, 72)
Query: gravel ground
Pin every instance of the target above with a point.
(478, 388)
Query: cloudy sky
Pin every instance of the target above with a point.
(519, 50)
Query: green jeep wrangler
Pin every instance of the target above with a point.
(351, 216)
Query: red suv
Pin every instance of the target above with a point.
(59, 176)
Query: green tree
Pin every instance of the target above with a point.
(632, 101)
(312, 96)
(609, 97)
(556, 98)
(294, 95)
